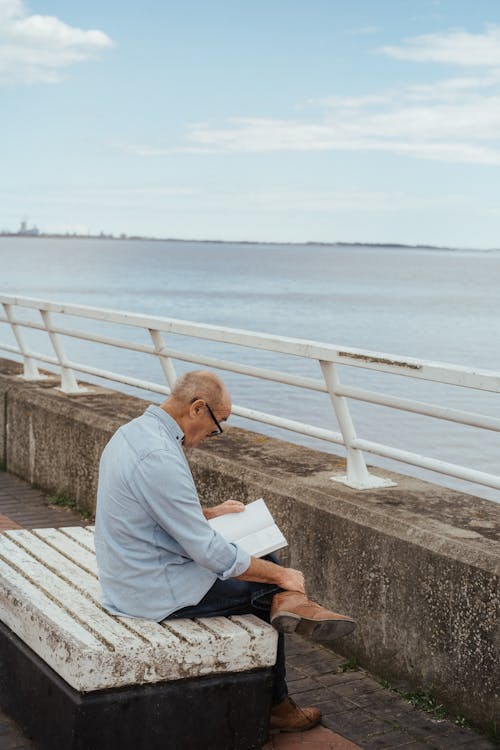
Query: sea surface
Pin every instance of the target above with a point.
(428, 303)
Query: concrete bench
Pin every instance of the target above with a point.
(77, 678)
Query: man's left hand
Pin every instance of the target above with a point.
(230, 506)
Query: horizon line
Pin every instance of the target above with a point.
(336, 243)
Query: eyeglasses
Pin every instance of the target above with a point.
(219, 429)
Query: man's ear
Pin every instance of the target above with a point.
(196, 407)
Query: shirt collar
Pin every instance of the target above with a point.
(168, 421)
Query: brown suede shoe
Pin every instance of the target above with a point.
(293, 612)
(288, 717)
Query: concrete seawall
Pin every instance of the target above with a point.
(417, 565)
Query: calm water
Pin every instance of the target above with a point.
(440, 305)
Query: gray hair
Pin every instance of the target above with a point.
(199, 384)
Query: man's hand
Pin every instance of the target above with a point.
(265, 571)
(292, 580)
(230, 506)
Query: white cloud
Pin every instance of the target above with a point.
(35, 49)
(456, 119)
(453, 89)
(456, 47)
(455, 131)
(267, 136)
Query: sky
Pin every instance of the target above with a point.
(270, 120)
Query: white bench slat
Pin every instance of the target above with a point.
(81, 578)
(250, 623)
(81, 535)
(12, 583)
(68, 547)
(206, 642)
(49, 593)
(220, 626)
(149, 632)
(189, 631)
(105, 628)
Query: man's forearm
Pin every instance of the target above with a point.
(263, 571)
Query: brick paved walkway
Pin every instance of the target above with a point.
(357, 712)
(23, 506)
(356, 707)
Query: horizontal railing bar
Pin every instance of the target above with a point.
(454, 415)
(84, 336)
(255, 372)
(408, 457)
(417, 407)
(12, 349)
(105, 374)
(35, 355)
(289, 424)
(222, 364)
(145, 385)
(240, 411)
(433, 464)
(410, 367)
(359, 394)
(420, 407)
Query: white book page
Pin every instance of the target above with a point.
(262, 542)
(253, 529)
(234, 526)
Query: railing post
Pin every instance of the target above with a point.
(357, 475)
(69, 383)
(30, 371)
(165, 362)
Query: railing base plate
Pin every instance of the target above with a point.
(79, 392)
(372, 483)
(36, 378)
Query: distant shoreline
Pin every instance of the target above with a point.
(124, 238)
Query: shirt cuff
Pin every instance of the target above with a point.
(240, 564)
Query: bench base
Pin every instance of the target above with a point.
(223, 712)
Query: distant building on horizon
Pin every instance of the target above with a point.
(25, 230)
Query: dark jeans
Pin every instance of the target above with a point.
(235, 597)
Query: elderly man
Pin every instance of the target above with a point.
(158, 556)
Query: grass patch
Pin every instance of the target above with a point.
(351, 665)
(61, 501)
(384, 683)
(3, 466)
(424, 700)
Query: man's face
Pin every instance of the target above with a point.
(203, 419)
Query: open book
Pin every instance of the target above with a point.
(253, 529)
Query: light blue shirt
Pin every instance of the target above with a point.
(156, 552)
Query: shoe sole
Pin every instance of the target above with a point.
(325, 630)
(295, 729)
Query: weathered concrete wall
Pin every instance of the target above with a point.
(417, 565)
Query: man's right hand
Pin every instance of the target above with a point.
(292, 580)
(265, 571)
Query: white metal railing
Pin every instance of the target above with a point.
(328, 356)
